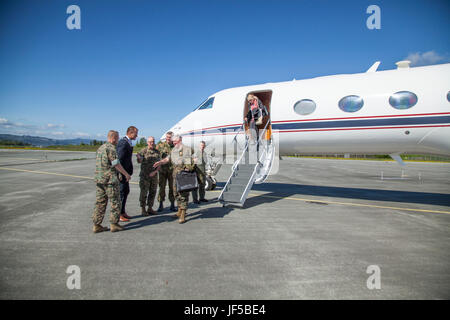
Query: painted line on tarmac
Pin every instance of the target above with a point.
(359, 205)
(346, 203)
(45, 172)
(253, 194)
(14, 158)
(53, 173)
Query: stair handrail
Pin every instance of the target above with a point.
(234, 169)
(242, 127)
(240, 159)
(251, 180)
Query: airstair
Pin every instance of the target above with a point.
(253, 166)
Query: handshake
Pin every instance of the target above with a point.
(160, 162)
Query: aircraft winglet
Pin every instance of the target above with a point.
(374, 67)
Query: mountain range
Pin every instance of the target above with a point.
(44, 142)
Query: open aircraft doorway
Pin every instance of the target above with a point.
(256, 159)
(266, 98)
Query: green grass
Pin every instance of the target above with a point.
(59, 148)
(407, 157)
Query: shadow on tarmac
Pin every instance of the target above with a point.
(206, 213)
(283, 190)
(148, 221)
(286, 190)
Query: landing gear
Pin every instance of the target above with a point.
(212, 168)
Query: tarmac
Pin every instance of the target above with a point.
(318, 229)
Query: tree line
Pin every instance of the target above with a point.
(14, 143)
(93, 143)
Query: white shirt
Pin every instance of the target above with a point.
(129, 141)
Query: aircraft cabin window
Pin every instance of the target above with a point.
(304, 107)
(208, 104)
(351, 103)
(403, 100)
(448, 96)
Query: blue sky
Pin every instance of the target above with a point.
(149, 63)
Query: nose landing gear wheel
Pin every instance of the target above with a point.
(210, 183)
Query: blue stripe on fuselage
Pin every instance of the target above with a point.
(317, 124)
(215, 130)
(361, 123)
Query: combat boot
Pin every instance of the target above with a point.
(161, 208)
(99, 228)
(182, 215)
(172, 206)
(177, 215)
(143, 212)
(150, 211)
(116, 227)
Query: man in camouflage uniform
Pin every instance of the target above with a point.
(200, 168)
(165, 173)
(107, 184)
(182, 158)
(148, 182)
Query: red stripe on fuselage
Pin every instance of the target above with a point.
(334, 129)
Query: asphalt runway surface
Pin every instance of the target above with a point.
(318, 229)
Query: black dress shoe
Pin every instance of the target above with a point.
(203, 200)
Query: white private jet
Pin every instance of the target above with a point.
(401, 111)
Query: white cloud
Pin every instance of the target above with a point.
(5, 123)
(43, 130)
(426, 58)
(81, 134)
(53, 126)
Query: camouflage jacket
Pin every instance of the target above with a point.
(200, 160)
(164, 149)
(106, 160)
(182, 159)
(149, 158)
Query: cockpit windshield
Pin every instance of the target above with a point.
(208, 104)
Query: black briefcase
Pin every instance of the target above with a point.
(186, 181)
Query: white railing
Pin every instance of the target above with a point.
(258, 164)
(236, 165)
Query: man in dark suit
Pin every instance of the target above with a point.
(125, 154)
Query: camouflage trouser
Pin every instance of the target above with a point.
(201, 186)
(165, 175)
(148, 191)
(182, 197)
(103, 193)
